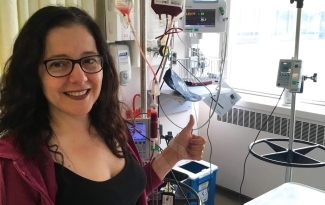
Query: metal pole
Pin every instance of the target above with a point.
(143, 66)
(293, 103)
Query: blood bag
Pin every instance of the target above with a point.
(124, 6)
(173, 7)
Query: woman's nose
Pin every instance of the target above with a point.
(77, 75)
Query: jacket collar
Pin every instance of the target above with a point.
(8, 150)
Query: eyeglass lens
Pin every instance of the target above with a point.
(62, 67)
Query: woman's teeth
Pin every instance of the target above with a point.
(77, 93)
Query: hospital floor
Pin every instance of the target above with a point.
(225, 196)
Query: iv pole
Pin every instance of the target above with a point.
(143, 65)
(293, 95)
(291, 157)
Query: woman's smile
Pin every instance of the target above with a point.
(78, 95)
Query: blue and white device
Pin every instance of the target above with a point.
(139, 132)
(204, 16)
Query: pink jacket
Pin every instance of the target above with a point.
(22, 183)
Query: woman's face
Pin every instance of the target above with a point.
(76, 93)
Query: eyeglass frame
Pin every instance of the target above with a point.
(78, 61)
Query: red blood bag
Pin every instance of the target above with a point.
(173, 9)
(124, 7)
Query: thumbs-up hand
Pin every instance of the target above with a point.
(188, 145)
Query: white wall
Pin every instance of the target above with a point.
(230, 146)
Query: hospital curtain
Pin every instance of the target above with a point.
(14, 13)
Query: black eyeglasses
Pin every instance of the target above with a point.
(63, 67)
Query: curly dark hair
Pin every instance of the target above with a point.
(24, 108)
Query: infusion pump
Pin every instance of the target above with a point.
(289, 75)
(139, 132)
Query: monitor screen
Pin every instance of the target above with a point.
(200, 18)
(140, 127)
(285, 67)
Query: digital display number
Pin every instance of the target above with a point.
(190, 13)
(200, 18)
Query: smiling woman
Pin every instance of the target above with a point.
(64, 139)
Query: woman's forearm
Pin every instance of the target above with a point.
(164, 162)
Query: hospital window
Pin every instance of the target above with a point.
(263, 32)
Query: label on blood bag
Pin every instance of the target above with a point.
(175, 3)
(126, 3)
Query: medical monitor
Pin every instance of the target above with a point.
(204, 16)
(140, 129)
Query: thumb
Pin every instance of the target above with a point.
(190, 124)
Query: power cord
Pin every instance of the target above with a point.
(265, 123)
(211, 95)
(168, 137)
(224, 51)
(171, 171)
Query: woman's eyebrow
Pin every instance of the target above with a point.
(66, 56)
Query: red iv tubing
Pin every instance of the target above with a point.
(125, 11)
(154, 115)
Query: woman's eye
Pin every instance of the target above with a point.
(56, 64)
(59, 64)
(89, 60)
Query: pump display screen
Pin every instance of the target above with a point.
(140, 127)
(200, 18)
(285, 67)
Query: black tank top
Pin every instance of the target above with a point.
(124, 188)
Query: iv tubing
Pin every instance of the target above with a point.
(143, 56)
